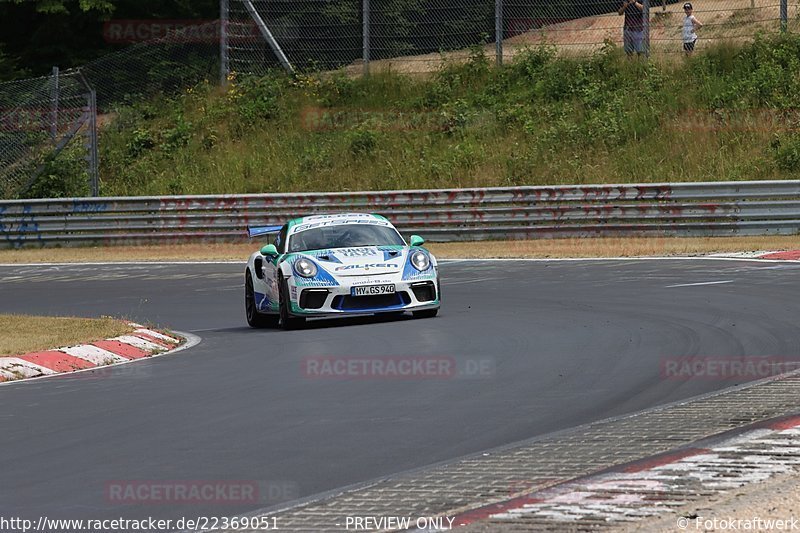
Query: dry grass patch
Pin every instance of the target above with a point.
(544, 248)
(20, 334)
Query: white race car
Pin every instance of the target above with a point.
(338, 265)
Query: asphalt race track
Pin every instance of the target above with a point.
(539, 346)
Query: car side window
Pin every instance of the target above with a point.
(280, 241)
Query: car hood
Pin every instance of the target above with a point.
(360, 261)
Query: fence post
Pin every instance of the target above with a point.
(366, 37)
(93, 159)
(784, 15)
(54, 98)
(267, 34)
(224, 69)
(498, 31)
(646, 21)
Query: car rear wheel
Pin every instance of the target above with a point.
(254, 318)
(427, 313)
(288, 321)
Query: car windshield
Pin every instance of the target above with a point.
(344, 236)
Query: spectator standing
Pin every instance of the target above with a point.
(633, 28)
(690, 26)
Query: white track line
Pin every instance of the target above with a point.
(699, 283)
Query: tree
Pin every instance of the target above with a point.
(63, 6)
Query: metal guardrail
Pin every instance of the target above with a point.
(680, 209)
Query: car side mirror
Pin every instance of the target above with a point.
(269, 250)
(416, 240)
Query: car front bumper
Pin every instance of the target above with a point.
(409, 295)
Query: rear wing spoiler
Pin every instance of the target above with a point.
(257, 231)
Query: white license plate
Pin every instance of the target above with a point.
(372, 290)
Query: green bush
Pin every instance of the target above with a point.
(786, 152)
(140, 141)
(64, 177)
(362, 142)
(540, 119)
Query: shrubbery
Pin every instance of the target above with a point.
(542, 119)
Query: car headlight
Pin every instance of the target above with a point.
(305, 268)
(420, 260)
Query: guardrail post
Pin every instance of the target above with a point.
(365, 35)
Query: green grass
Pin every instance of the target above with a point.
(542, 119)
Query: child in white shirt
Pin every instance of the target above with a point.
(690, 24)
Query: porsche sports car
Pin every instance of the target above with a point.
(338, 265)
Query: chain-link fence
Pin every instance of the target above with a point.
(419, 35)
(38, 118)
(163, 65)
(590, 25)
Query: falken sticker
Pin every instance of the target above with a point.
(366, 266)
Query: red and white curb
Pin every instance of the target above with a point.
(140, 343)
(784, 255)
(655, 485)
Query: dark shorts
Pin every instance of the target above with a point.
(633, 41)
(689, 47)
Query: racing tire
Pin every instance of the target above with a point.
(254, 318)
(427, 313)
(288, 322)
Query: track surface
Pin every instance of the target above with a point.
(568, 343)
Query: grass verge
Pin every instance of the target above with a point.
(727, 113)
(24, 333)
(541, 248)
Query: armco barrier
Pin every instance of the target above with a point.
(680, 209)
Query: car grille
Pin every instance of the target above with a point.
(368, 303)
(313, 298)
(424, 292)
